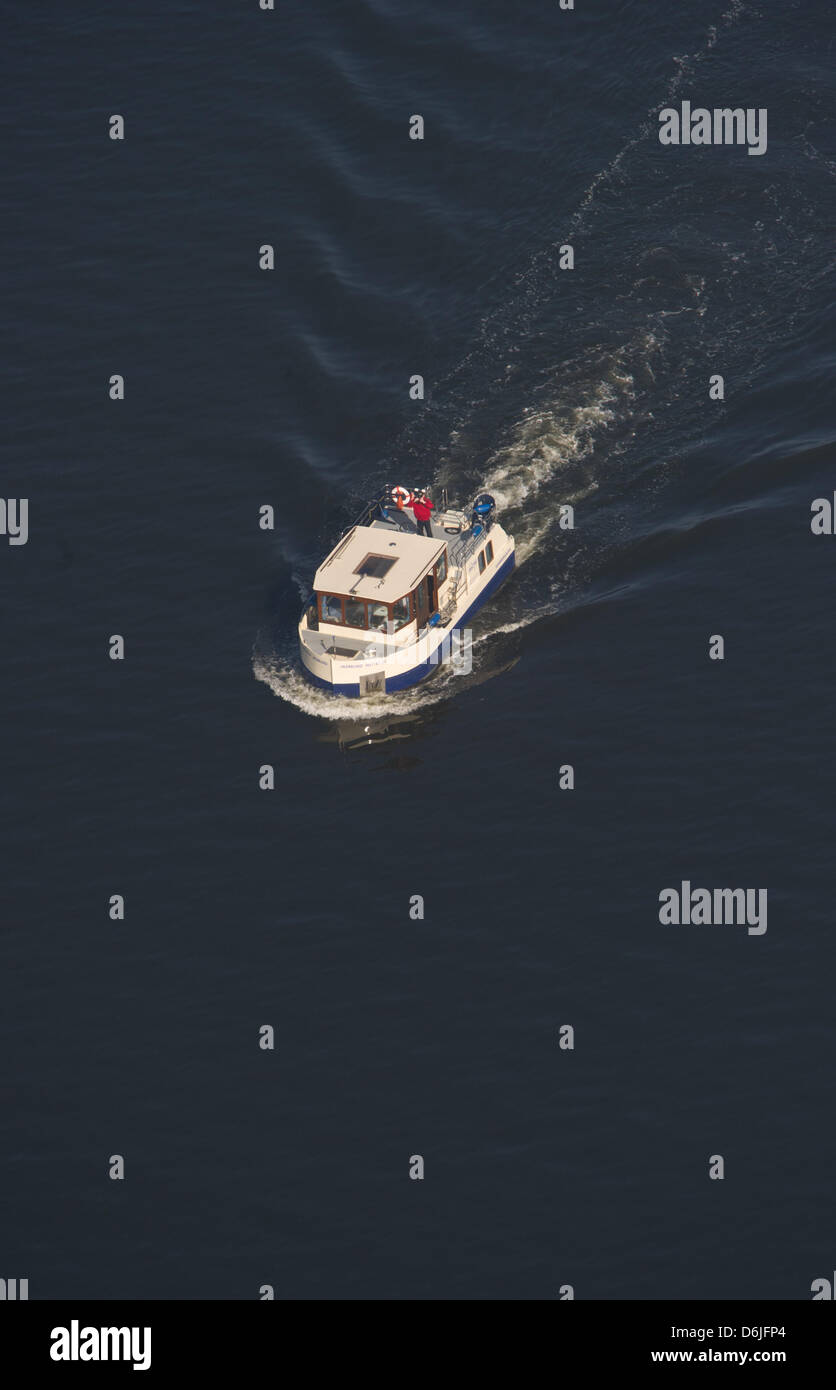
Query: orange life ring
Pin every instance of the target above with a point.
(402, 497)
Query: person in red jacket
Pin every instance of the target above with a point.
(423, 509)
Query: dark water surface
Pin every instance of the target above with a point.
(243, 907)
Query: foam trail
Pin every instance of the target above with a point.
(550, 456)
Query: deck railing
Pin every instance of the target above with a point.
(468, 543)
(371, 510)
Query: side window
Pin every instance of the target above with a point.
(482, 562)
(332, 609)
(489, 551)
(355, 612)
(442, 569)
(400, 613)
(378, 616)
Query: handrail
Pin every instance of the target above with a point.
(466, 547)
(370, 507)
(338, 547)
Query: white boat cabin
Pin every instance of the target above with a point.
(380, 580)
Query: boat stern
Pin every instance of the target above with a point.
(343, 666)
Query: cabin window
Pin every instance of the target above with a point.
(355, 612)
(378, 616)
(400, 612)
(482, 561)
(441, 569)
(332, 609)
(489, 551)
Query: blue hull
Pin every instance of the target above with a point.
(418, 673)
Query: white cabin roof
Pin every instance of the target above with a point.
(412, 557)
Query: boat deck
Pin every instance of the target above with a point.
(461, 543)
(405, 522)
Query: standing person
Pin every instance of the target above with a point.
(423, 509)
